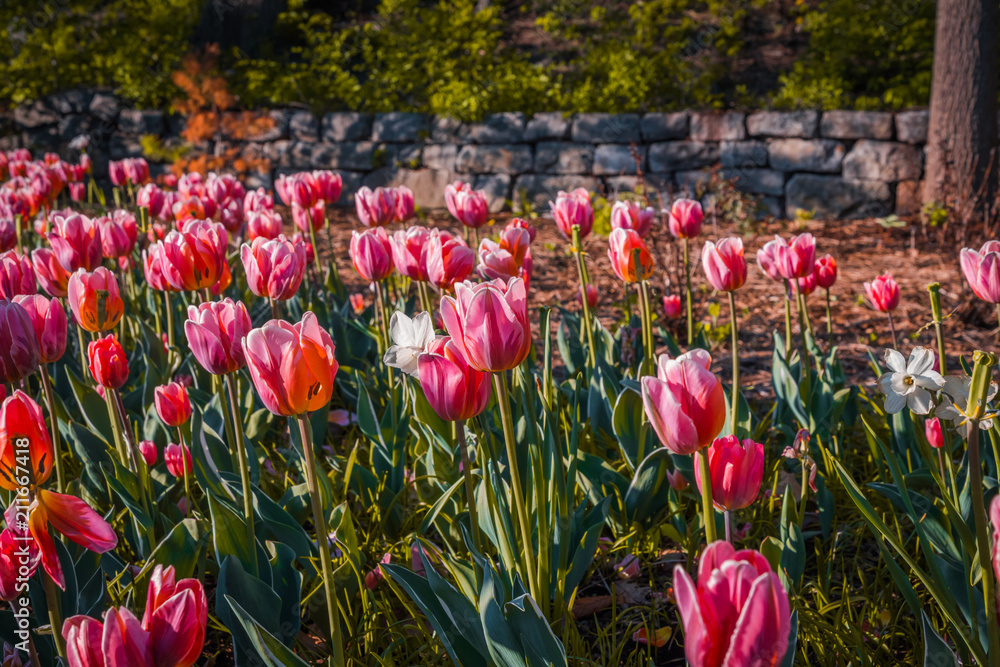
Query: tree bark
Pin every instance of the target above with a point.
(962, 133)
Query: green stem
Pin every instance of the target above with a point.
(241, 454)
(527, 544)
(184, 470)
(322, 541)
(50, 400)
(788, 324)
(470, 493)
(892, 329)
(425, 298)
(53, 602)
(934, 290)
(581, 269)
(687, 281)
(806, 376)
(383, 323)
(312, 240)
(707, 508)
(735, 406)
(829, 321)
(116, 427)
(982, 538)
(83, 351)
(170, 319)
(648, 343)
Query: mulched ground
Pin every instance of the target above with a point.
(862, 248)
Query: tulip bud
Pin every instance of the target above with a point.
(108, 363)
(149, 452)
(177, 458)
(724, 264)
(685, 219)
(593, 295)
(826, 271)
(672, 306)
(935, 436)
(736, 470)
(883, 293)
(572, 209)
(172, 404)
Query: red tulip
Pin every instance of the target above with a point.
(371, 253)
(263, 224)
(309, 218)
(685, 219)
(935, 436)
(116, 172)
(826, 271)
(8, 233)
(404, 203)
(16, 275)
(357, 303)
(466, 205)
(49, 320)
(883, 293)
(725, 266)
(22, 419)
(489, 323)
(195, 258)
(455, 390)
(630, 215)
(50, 273)
(215, 332)
(797, 258)
(172, 404)
(672, 306)
(449, 260)
(375, 207)
(149, 452)
(409, 252)
(292, 366)
(593, 295)
(108, 363)
(150, 197)
(176, 618)
(95, 300)
(736, 469)
(685, 402)
(19, 560)
(76, 242)
(19, 353)
(982, 271)
(571, 209)
(629, 256)
(806, 284)
(328, 185)
(737, 615)
(177, 457)
(274, 268)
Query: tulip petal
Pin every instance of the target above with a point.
(75, 519)
(761, 633)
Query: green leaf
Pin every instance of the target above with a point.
(180, 548)
(937, 653)
(266, 645)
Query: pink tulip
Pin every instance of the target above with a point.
(116, 172)
(176, 618)
(685, 402)
(274, 267)
(409, 252)
(215, 332)
(177, 458)
(19, 353)
(738, 615)
(328, 186)
(630, 258)
(312, 217)
(299, 189)
(404, 204)
(149, 452)
(50, 325)
(17, 276)
(195, 258)
(522, 224)
(672, 306)
(375, 207)
(982, 270)
(455, 390)
(883, 293)
(371, 254)
(766, 258)
(264, 224)
(826, 271)
(797, 258)
(466, 205)
(935, 436)
(257, 200)
(685, 219)
(630, 215)
(571, 209)
(76, 242)
(375, 575)
(150, 197)
(119, 234)
(724, 264)
(49, 272)
(510, 257)
(736, 469)
(489, 323)
(83, 641)
(292, 366)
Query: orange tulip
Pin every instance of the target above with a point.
(94, 298)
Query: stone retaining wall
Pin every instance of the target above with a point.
(836, 163)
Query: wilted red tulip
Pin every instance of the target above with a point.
(274, 267)
(629, 256)
(195, 258)
(455, 390)
(736, 469)
(177, 457)
(982, 271)
(76, 242)
(685, 402)
(685, 218)
(108, 363)
(149, 452)
(16, 275)
(172, 404)
(50, 325)
(215, 332)
(19, 354)
(94, 298)
(264, 224)
(724, 264)
(630, 215)
(573, 208)
(826, 271)
(409, 252)
(375, 207)
(292, 366)
(489, 323)
(883, 293)
(466, 205)
(371, 254)
(737, 615)
(449, 260)
(672, 306)
(629, 567)
(404, 203)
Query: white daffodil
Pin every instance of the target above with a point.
(910, 383)
(412, 337)
(956, 391)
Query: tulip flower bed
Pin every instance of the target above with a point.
(388, 438)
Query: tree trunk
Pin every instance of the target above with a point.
(962, 134)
